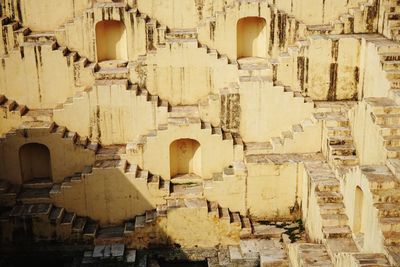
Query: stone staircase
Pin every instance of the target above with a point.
(309, 254)
(113, 157)
(360, 19)
(332, 229)
(385, 114)
(338, 143)
(12, 106)
(69, 227)
(385, 188)
(111, 254)
(391, 19)
(16, 37)
(279, 144)
(16, 113)
(251, 253)
(52, 128)
(184, 116)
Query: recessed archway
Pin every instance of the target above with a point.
(111, 41)
(251, 37)
(185, 157)
(35, 162)
(358, 210)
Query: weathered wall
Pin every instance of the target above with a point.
(44, 72)
(66, 158)
(274, 190)
(52, 13)
(108, 195)
(316, 11)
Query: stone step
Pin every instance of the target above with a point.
(386, 195)
(246, 230)
(384, 120)
(332, 185)
(342, 231)
(34, 195)
(79, 224)
(31, 210)
(189, 33)
(331, 208)
(56, 215)
(392, 152)
(391, 140)
(68, 219)
(110, 235)
(340, 140)
(345, 160)
(140, 221)
(334, 219)
(224, 214)
(340, 245)
(342, 150)
(183, 112)
(257, 148)
(308, 254)
(390, 224)
(388, 209)
(328, 197)
(392, 238)
(338, 131)
(370, 259)
(43, 182)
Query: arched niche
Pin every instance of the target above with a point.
(111, 41)
(251, 37)
(185, 157)
(358, 210)
(35, 162)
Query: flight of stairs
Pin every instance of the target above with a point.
(385, 114)
(338, 143)
(336, 234)
(360, 19)
(69, 227)
(385, 190)
(391, 19)
(52, 128)
(181, 116)
(251, 253)
(19, 37)
(309, 254)
(113, 157)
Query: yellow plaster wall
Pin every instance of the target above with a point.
(66, 158)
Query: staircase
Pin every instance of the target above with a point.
(338, 143)
(385, 189)
(391, 19)
(69, 227)
(309, 254)
(385, 114)
(332, 229)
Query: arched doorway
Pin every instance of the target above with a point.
(185, 157)
(34, 162)
(251, 37)
(358, 210)
(111, 42)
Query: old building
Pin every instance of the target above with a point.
(210, 132)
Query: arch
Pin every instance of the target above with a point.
(185, 157)
(358, 210)
(111, 41)
(251, 37)
(34, 161)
